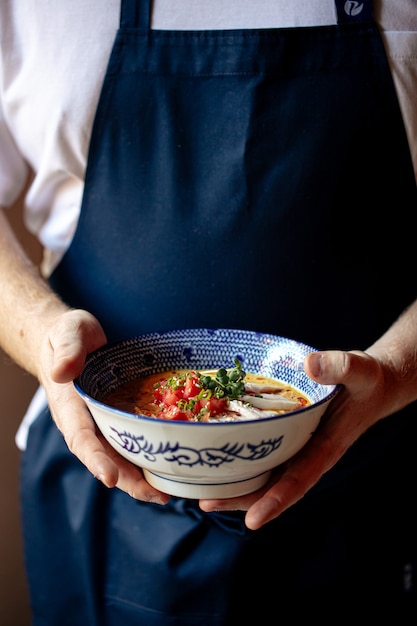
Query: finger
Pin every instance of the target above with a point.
(91, 448)
(240, 503)
(78, 429)
(288, 484)
(132, 481)
(300, 475)
(76, 334)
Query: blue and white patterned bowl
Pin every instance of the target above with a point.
(195, 459)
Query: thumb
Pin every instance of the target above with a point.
(333, 367)
(75, 335)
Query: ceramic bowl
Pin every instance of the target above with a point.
(203, 459)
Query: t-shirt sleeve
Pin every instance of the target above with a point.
(13, 167)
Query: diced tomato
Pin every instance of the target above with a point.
(172, 396)
(172, 399)
(158, 391)
(199, 404)
(216, 405)
(174, 413)
(191, 387)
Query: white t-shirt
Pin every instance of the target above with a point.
(53, 57)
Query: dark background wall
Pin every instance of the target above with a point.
(16, 390)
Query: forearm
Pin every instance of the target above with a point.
(28, 307)
(397, 350)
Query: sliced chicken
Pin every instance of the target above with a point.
(272, 401)
(246, 412)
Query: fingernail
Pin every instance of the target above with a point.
(315, 364)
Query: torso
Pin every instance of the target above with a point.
(50, 121)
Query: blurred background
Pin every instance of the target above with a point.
(16, 390)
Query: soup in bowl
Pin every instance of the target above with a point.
(206, 413)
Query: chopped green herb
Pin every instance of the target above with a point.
(227, 383)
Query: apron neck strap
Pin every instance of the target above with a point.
(351, 11)
(136, 14)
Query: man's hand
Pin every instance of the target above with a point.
(360, 404)
(73, 335)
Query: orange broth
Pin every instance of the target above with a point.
(137, 396)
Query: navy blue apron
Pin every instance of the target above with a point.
(254, 179)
